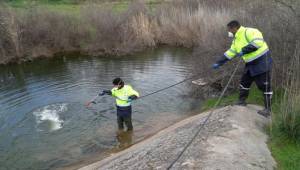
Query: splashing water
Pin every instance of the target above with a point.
(51, 113)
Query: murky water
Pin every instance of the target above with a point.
(45, 125)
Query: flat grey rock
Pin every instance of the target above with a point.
(233, 138)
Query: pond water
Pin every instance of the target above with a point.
(45, 125)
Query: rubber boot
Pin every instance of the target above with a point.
(266, 112)
(242, 98)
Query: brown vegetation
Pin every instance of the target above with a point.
(290, 102)
(95, 30)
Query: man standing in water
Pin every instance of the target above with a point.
(124, 95)
(248, 43)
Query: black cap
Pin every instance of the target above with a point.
(234, 24)
(118, 81)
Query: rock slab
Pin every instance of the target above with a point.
(233, 138)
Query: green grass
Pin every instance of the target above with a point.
(70, 6)
(26, 3)
(120, 6)
(286, 151)
(22, 3)
(255, 97)
(60, 6)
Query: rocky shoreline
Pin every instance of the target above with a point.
(233, 138)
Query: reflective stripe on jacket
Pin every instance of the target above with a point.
(242, 38)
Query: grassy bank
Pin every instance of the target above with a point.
(284, 148)
(31, 31)
(286, 152)
(73, 6)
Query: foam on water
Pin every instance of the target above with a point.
(51, 113)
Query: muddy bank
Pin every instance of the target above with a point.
(234, 138)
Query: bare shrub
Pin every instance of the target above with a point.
(44, 32)
(290, 102)
(117, 33)
(9, 44)
(142, 28)
(98, 30)
(104, 29)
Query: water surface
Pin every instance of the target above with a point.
(45, 125)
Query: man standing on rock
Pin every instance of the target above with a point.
(249, 44)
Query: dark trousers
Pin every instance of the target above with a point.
(124, 116)
(262, 81)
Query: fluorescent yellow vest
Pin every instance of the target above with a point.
(123, 94)
(242, 38)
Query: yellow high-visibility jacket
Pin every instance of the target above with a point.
(242, 38)
(123, 94)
